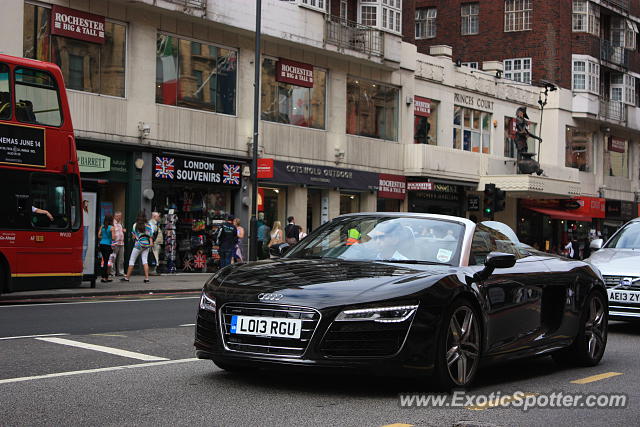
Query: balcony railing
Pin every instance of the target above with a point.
(622, 4)
(614, 54)
(613, 110)
(196, 4)
(350, 35)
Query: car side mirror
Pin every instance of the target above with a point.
(279, 250)
(495, 260)
(596, 244)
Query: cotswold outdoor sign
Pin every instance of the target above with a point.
(22, 145)
(171, 169)
(93, 162)
(471, 101)
(323, 176)
(77, 24)
(296, 73)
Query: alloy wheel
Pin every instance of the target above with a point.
(594, 328)
(463, 345)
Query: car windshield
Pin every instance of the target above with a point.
(627, 238)
(383, 238)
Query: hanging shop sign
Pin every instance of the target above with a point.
(618, 145)
(265, 168)
(296, 73)
(77, 24)
(22, 145)
(93, 162)
(178, 169)
(422, 106)
(323, 176)
(392, 186)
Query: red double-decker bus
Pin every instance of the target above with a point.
(41, 236)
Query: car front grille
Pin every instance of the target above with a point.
(611, 281)
(268, 345)
(363, 339)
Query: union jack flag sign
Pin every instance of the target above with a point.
(165, 167)
(200, 261)
(231, 174)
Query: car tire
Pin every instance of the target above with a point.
(590, 342)
(232, 367)
(459, 346)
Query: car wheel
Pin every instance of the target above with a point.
(231, 367)
(459, 346)
(589, 345)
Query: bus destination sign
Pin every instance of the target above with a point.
(22, 145)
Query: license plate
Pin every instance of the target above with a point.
(266, 326)
(631, 297)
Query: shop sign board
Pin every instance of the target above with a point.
(473, 101)
(22, 145)
(420, 186)
(93, 162)
(616, 144)
(324, 176)
(392, 186)
(77, 24)
(179, 169)
(422, 106)
(265, 168)
(295, 73)
(473, 203)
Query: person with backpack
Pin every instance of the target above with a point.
(142, 235)
(292, 232)
(106, 234)
(227, 239)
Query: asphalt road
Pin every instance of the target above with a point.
(131, 362)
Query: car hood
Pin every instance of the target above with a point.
(617, 262)
(323, 282)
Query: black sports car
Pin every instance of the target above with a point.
(403, 293)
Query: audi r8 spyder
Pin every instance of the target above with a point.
(403, 293)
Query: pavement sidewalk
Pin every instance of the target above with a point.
(165, 283)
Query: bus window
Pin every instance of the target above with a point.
(37, 98)
(48, 192)
(75, 204)
(5, 93)
(15, 212)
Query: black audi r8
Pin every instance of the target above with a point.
(403, 293)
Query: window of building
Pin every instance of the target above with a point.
(517, 15)
(426, 22)
(37, 99)
(510, 137)
(314, 4)
(473, 65)
(470, 16)
(195, 75)
(623, 32)
(89, 67)
(425, 121)
(383, 14)
(586, 74)
(372, 109)
(291, 104)
(622, 88)
(579, 149)
(518, 69)
(586, 17)
(471, 130)
(617, 157)
(344, 10)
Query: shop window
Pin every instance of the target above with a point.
(579, 147)
(471, 130)
(89, 67)
(349, 203)
(291, 104)
(372, 109)
(425, 121)
(195, 75)
(510, 138)
(37, 98)
(617, 157)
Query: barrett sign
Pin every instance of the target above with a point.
(296, 73)
(93, 162)
(77, 24)
(22, 145)
(171, 168)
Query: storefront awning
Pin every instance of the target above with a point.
(560, 214)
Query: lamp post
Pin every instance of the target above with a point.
(253, 225)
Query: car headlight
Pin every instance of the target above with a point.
(207, 303)
(394, 314)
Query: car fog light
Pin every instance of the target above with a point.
(381, 314)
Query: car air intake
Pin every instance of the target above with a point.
(363, 339)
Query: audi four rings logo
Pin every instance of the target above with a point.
(270, 297)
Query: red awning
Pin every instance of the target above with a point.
(560, 214)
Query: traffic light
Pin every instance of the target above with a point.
(489, 199)
(499, 200)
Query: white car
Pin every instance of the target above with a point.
(619, 262)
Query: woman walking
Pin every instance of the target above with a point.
(277, 234)
(142, 236)
(106, 236)
(237, 256)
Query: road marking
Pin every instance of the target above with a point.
(92, 302)
(103, 349)
(398, 425)
(93, 371)
(596, 378)
(502, 401)
(189, 324)
(109, 335)
(31, 336)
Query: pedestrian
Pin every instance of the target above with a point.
(157, 240)
(292, 232)
(586, 252)
(142, 235)
(277, 235)
(118, 244)
(227, 240)
(237, 256)
(263, 238)
(105, 236)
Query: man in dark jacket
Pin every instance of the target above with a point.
(292, 232)
(227, 239)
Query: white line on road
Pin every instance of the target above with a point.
(189, 324)
(31, 336)
(110, 350)
(93, 371)
(95, 302)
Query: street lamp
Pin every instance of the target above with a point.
(253, 224)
